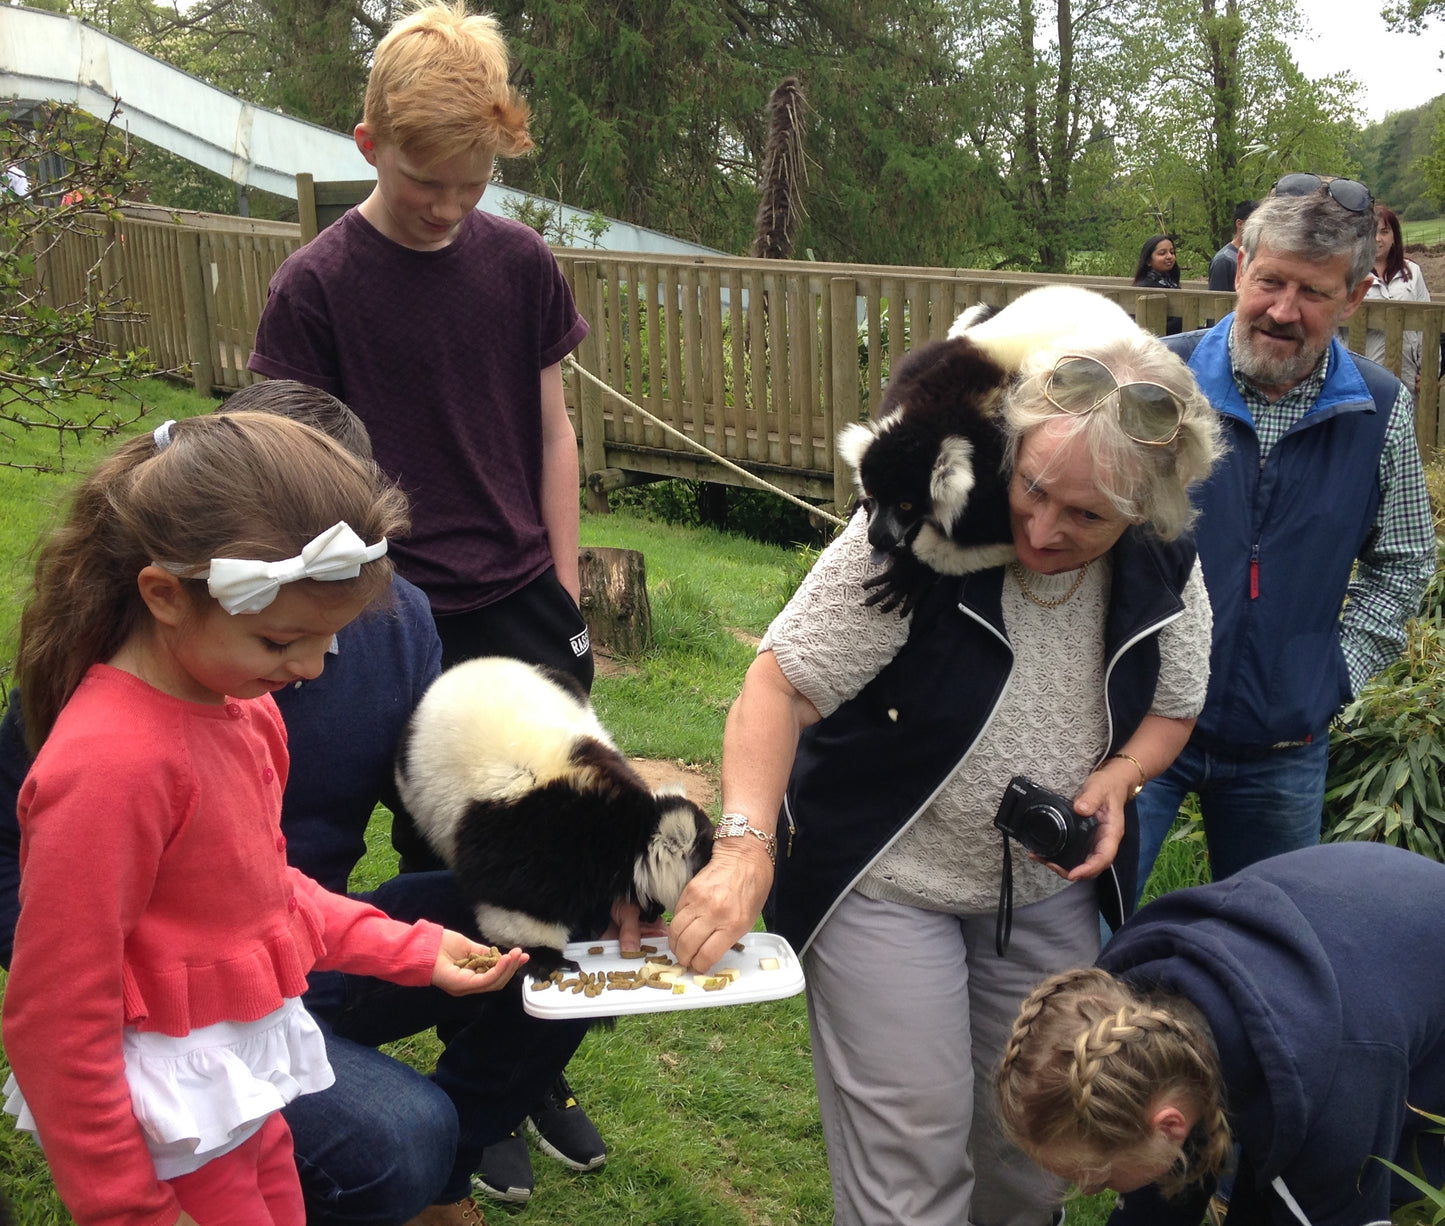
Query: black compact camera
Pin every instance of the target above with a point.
(1045, 823)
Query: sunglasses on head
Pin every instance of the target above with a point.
(1148, 412)
(1347, 193)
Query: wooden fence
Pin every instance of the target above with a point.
(199, 280)
(758, 361)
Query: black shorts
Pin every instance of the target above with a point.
(539, 623)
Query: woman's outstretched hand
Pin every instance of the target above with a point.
(721, 903)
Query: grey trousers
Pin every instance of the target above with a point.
(909, 1012)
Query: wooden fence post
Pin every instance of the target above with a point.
(196, 305)
(843, 314)
(589, 398)
(1151, 312)
(1429, 420)
(306, 206)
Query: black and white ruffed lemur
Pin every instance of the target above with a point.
(516, 785)
(929, 465)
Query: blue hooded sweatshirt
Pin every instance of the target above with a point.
(1322, 975)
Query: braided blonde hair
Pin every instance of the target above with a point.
(1088, 1057)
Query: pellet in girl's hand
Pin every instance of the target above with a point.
(480, 962)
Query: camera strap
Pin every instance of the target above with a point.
(1004, 928)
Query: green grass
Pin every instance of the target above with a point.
(711, 595)
(1428, 232)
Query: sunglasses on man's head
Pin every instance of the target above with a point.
(1347, 193)
(1148, 412)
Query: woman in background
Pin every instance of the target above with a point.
(1158, 266)
(1398, 280)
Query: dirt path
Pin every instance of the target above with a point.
(1432, 264)
(700, 786)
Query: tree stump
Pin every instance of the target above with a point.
(614, 599)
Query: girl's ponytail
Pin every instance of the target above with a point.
(85, 602)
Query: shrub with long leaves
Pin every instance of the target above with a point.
(1387, 749)
(1431, 1204)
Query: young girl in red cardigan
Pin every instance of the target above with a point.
(152, 1015)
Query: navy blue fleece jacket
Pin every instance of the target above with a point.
(1322, 977)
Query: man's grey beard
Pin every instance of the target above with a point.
(1266, 370)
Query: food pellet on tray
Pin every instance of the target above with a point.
(659, 972)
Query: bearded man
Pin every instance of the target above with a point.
(1319, 506)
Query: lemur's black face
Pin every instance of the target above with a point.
(892, 525)
(895, 473)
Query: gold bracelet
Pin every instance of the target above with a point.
(1143, 778)
(735, 825)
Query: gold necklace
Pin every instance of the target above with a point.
(1039, 600)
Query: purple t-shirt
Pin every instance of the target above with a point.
(440, 353)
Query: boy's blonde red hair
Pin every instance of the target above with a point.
(439, 87)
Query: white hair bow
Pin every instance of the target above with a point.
(245, 586)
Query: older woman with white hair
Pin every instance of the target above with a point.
(868, 754)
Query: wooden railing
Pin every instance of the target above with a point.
(199, 280)
(759, 361)
(764, 361)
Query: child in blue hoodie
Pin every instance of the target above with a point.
(1296, 1010)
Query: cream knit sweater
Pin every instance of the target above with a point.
(1050, 724)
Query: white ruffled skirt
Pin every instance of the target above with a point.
(201, 1095)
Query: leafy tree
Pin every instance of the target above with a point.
(1432, 164)
(898, 179)
(655, 112)
(53, 350)
(1390, 154)
(1412, 16)
(1228, 110)
(621, 118)
(1050, 81)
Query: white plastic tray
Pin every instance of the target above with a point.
(752, 984)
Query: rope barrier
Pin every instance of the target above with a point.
(572, 364)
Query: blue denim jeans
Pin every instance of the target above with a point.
(1252, 808)
(385, 1141)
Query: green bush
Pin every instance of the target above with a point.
(1387, 753)
(1387, 750)
(756, 514)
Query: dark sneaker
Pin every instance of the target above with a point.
(563, 1130)
(506, 1171)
